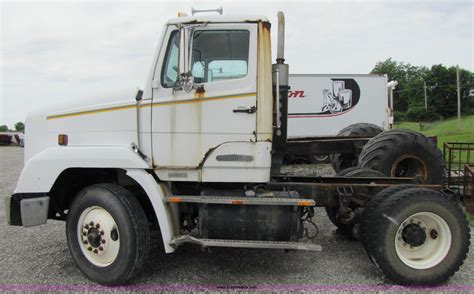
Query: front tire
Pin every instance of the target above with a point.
(107, 233)
(418, 237)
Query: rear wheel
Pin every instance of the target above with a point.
(366, 220)
(107, 233)
(344, 161)
(418, 237)
(332, 212)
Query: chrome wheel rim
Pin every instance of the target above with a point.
(98, 236)
(423, 240)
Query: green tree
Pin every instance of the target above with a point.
(409, 91)
(441, 89)
(442, 93)
(3, 128)
(19, 126)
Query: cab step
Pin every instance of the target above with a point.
(240, 200)
(245, 243)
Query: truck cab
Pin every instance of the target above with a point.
(210, 101)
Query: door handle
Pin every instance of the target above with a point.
(250, 110)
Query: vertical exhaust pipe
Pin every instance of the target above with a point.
(280, 65)
(281, 38)
(280, 94)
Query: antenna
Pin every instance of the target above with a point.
(218, 10)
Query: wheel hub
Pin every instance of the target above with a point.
(409, 166)
(414, 235)
(94, 238)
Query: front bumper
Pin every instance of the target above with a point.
(27, 209)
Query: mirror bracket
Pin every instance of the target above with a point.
(185, 79)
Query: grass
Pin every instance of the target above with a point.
(446, 131)
(470, 218)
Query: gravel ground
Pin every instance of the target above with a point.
(39, 256)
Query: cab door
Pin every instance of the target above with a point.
(220, 108)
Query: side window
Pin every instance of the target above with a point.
(169, 72)
(220, 55)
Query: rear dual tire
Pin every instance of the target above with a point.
(418, 236)
(366, 219)
(348, 229)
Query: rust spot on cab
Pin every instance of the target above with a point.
(264, 84)
(267, 26)
(200, 92)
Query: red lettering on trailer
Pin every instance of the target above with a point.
(296, 94)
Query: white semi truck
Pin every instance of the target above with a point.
(198, 153)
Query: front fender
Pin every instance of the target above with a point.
(42, 170)
(167, 214)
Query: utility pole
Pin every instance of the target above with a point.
(459, 96)
(426, 98)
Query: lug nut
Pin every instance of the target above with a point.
(96, 251)
(86, 226)
(84, 233)
(103, 241)
(97, 226)
(101, 248)
(85, 242)
(89, 248)
(102, 232)
(91, 223)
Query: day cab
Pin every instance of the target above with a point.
(197, 154)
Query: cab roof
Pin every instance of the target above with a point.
(217, 19)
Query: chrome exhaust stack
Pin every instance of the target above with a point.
(280, 65)
(281, 38)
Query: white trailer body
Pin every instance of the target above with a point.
(320, 105)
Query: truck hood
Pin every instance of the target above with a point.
(43, 125)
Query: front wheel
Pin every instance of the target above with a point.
(107, 233)
(418, 236)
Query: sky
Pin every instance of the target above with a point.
(52, 52)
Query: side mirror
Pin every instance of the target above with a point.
(185, 79)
